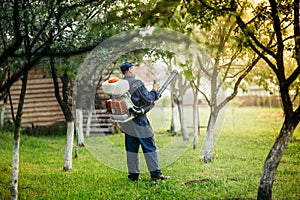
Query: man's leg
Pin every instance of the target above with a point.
(132, 147)
(151, 156)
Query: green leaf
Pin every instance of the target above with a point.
(188, 75)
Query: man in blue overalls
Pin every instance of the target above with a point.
(138, 130)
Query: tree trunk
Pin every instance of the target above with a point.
(273, 159)
(3, 111)
(174, 124)
(175, 120)
(196, 120)
(196, 112)
(209, 141)
(79, 131)
(67, 114)
(182, 121)
(16, 145)
(79, 127)
(69, 146)
(88, 123)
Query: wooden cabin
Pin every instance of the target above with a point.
(42, 109)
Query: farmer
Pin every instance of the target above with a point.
(138, 131)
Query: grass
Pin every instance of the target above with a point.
(235, 173)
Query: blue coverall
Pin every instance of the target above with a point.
(138, 131)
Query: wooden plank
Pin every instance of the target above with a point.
(42, 114)
(37, 81)
(37, 95)
(33, 91)
(49, 123)
(36, 107)
(41, 119)
(38, 104)
(55, 109)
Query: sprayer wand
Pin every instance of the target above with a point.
(167, 82)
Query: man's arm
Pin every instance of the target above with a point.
(141, 96)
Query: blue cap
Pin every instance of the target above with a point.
(125, 66)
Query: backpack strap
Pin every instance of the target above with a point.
(146, 107)
(131, 84)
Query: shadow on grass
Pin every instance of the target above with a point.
(56, 129)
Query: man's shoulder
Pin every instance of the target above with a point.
(133, 81)
(136, 83)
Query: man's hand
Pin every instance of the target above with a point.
(156, 85)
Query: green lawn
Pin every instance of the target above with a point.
(239, 154)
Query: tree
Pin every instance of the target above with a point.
(32, 30)
(57, 28)
(196, 111)
(16, 144)
(168, 14)
(223, 54)
(65, 106)
(179, 90)
(273, 33)
(279, 22)
(228, 67)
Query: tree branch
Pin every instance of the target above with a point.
(62, 103)
(57, 53)
(27, 66)
(17, 34)
(261, 54)
(296, 73)
(236, 86)
(293, 76)
(203, 93)
(223, 9)
(42, 29)
(245, 30)
(280, 46)
(202, 67)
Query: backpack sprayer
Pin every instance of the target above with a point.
(119, 106)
